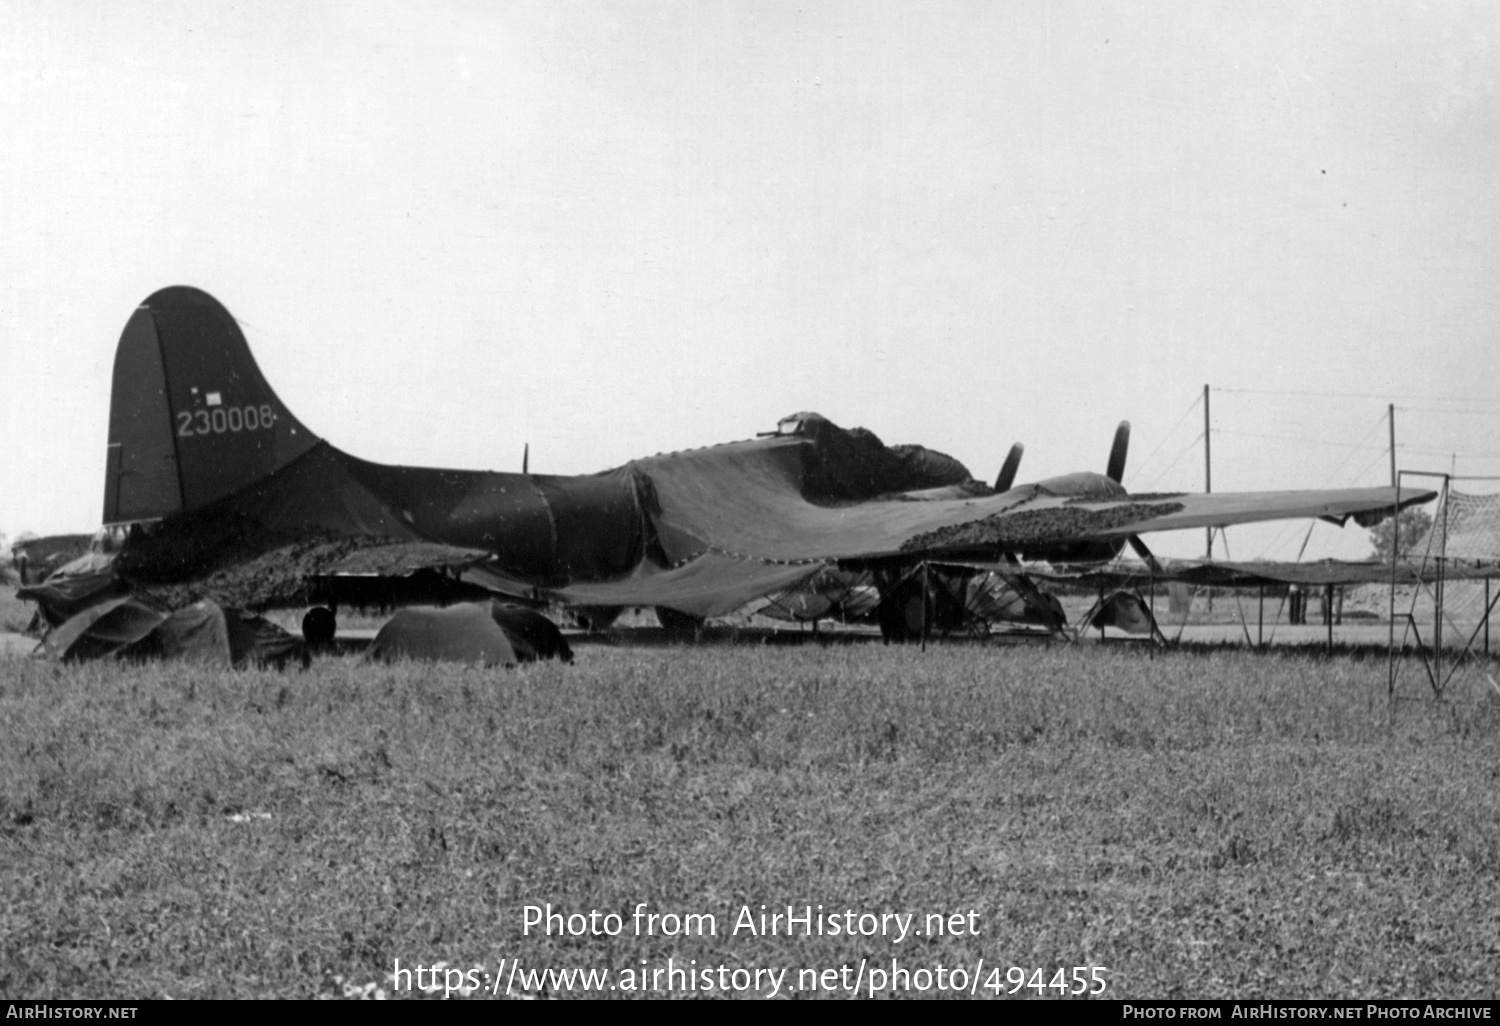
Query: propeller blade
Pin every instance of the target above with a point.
(1008, 469)
(1116, 470)
(1145, 553)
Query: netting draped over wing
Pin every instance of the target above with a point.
(1464, 526)
(1465, 531)
(1223, 574)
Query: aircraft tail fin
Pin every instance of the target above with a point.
(191, 419)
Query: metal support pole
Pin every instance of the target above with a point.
(1437, 605)
(1208, 484)
(1260, 620)
(1486, 616)
(1155, 632)
(1390, 651)
(1208, 470)
(1328, 614)
(1390, 412)
(926, 597)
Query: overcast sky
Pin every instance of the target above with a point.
(613, 229)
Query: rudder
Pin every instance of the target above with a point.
(191, 418)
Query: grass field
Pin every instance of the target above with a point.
(1209, 824)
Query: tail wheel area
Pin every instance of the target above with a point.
(679, 622)
(596, 619)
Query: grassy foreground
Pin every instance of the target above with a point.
(1204, 825)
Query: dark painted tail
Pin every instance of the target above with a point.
(191, 419)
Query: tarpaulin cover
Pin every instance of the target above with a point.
(47, 554)
(464, 633)
(489, 633)
(711, 585)
(208, 633)
(1125, 612)
(102, 629)
(61, 598)
(203, 632)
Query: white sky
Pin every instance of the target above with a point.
(612, 229)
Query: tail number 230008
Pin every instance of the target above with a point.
(222, 419)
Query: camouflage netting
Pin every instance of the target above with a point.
(1144, 497)
(1471, 524)
(1030, 527)
(406, 558)
(276, 579)
(1465, 527)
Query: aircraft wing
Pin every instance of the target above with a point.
(750, 500)
(1045, 519)
(734, 528)
(738, 521)
(1229, 574)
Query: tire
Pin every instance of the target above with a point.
(319, 625)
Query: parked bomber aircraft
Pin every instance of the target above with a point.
(212, 471)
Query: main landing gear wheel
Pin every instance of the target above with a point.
(319, 625)
(900, 614)
(902, 611)
(679, 622)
